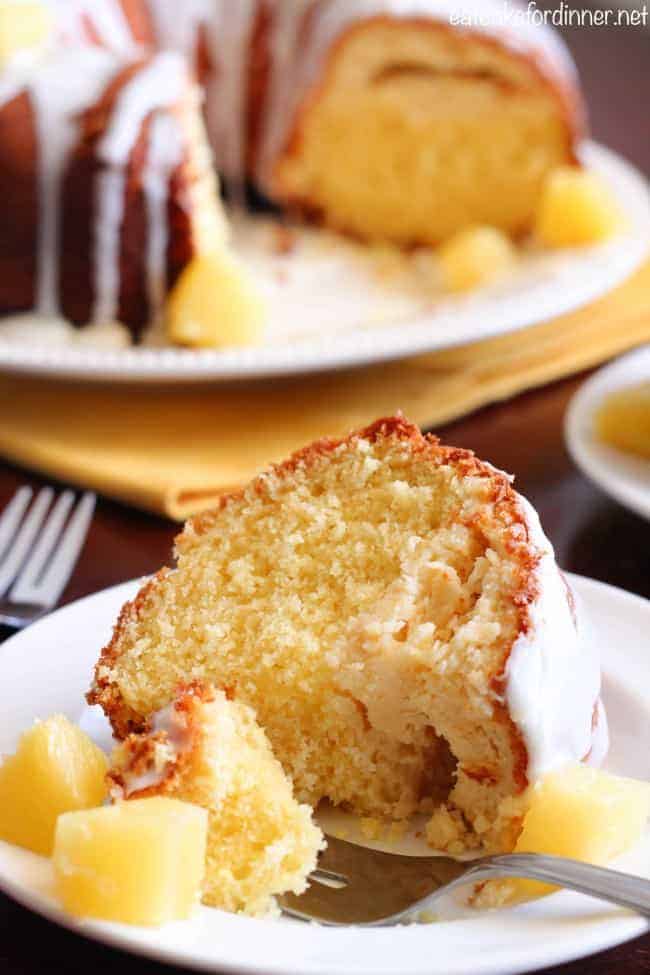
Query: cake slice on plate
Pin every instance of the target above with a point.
(393, 613)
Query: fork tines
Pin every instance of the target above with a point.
(40, 543)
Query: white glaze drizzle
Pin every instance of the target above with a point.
(295, 68)
(553, 676)
(163, 155)
(158, 85)
(106, 18)
(227, 32)
(485, 16)
(177, 29)
(228, 95)
(283, 43)
(150, 778)
(178, 742)
(305, 66)
(108, 222)
(57, 99)
(228, 29)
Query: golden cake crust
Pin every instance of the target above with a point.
(540, 73)
(140, 753)
(568, 95)
(506, 507)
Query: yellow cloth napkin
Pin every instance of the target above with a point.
(173, 451)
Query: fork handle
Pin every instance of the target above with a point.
(610, 885)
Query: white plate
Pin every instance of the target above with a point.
(47, 668)
(329, 308)
(621, 475)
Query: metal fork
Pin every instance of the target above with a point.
(39, 548)
(356, 885)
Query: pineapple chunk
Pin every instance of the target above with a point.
(582, 813)
(576, 208)
(23, 26)
(139, 862)
(214, 305)
(474, 257)
(623, 420)
(55, 769)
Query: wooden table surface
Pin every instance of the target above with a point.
(592, 535)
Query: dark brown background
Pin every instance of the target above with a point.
(592, 535)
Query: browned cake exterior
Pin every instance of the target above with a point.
(79, 206)
(75, 194)
(19, 205)
(296, 65)
(408, 97)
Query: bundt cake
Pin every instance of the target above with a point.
(206, 749)
(106, 185)
(392, 120)
(122, 26)
(440, 125)
(392, 611)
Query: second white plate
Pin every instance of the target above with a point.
(624, 477)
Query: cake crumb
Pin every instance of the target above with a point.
(447, 831)
(371, 828)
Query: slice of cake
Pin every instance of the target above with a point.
(393, 613)
(411, 121)
(209, 750)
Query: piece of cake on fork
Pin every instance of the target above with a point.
(207, 748)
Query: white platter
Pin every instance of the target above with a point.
(47, 668)
(333, 305)
(624, 477)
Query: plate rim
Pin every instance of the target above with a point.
(124, 938)
(170, 366)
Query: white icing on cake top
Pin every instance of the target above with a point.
(163, 156)
(301, 67)
(553, 676)
(57, 98)
(158, 85)
(61, 86)
(297, 59)
(226, 29)
(80, 21)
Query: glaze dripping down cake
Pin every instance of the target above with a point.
(440, 125)
(386, 119)
(393, 613)
(107, 185)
